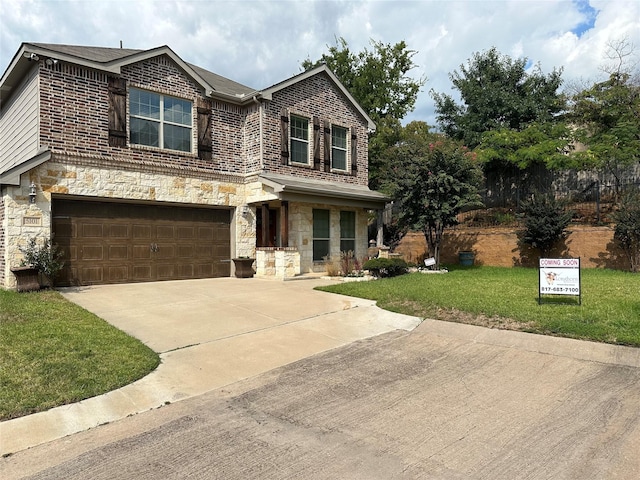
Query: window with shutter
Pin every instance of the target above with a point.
(316, 143)
(160, 121)
(338, 148)
(299, 139)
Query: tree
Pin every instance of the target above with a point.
(438, 178)
(497, 93)
(607, 119)
(378, 80)
(627, 232)
(545, 223)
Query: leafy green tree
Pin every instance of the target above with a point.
(545, 223)
(607, 119)
(497, 93)
(627, 232)
(437, 179)
(378, 80)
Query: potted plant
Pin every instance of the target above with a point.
(243, 267)
(39, 267)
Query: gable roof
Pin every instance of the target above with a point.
(112, 60)
(319, 70)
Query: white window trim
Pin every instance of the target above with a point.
(347, 150)
(162, 122)
(308, 141)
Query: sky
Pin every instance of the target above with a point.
(260, 43)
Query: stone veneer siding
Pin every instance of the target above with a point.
(301, 233)
(86, 178)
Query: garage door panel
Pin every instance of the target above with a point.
(118, 274)
(141, 251)
(165, 231)
(141, 273)
(92, 230)
(118, 252)
(106, 242)
(92, 252)
(92, 274)
(117, 231)
(141, 231)
(185, 251)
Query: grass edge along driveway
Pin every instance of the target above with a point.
(54, 352)
(500, 297)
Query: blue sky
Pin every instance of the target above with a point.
(259, 43)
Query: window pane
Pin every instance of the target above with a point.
(300, 128)
(347, 224)
(145, 104)
(299, 151)
(339, 137)
(339, 159)
(177, 111)
(144, 132)
(177, 138)
(320, 249)
(338, 148)
(320, 223)
(347, 245)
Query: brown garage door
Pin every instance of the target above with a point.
(108, 242)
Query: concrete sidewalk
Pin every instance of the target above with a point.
(209, 333)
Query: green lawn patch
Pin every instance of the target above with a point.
(508, 298)
(53, 352)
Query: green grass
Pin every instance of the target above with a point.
(508, 298)
(52, 352)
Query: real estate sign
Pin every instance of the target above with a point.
(559, 276)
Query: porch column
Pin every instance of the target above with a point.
(265, 225)
(284, 224)
(380, 224)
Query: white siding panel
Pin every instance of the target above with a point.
(19, 124)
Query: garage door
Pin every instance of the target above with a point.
(107, 242)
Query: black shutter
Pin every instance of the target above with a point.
(205, 146)
(354, 152)
(327, 149)
(284, 137)
(316, 143)
(117, 112)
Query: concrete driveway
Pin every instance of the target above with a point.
(209, 333)
(441, 401)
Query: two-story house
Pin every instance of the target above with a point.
(143, 167)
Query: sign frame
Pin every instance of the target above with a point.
(559, 277)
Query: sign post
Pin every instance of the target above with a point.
(559, 276)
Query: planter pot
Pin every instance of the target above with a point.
(466, 258)
(244, 267)
(26, 279)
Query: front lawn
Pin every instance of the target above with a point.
(52, 352)
(508, 298)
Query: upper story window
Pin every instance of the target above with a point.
(299, 139)
(338, 148)
(160, 121)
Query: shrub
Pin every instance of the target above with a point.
(47, 259)
(545, 222)
(386, 267)
(627, 232)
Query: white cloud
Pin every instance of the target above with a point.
(259, 43)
